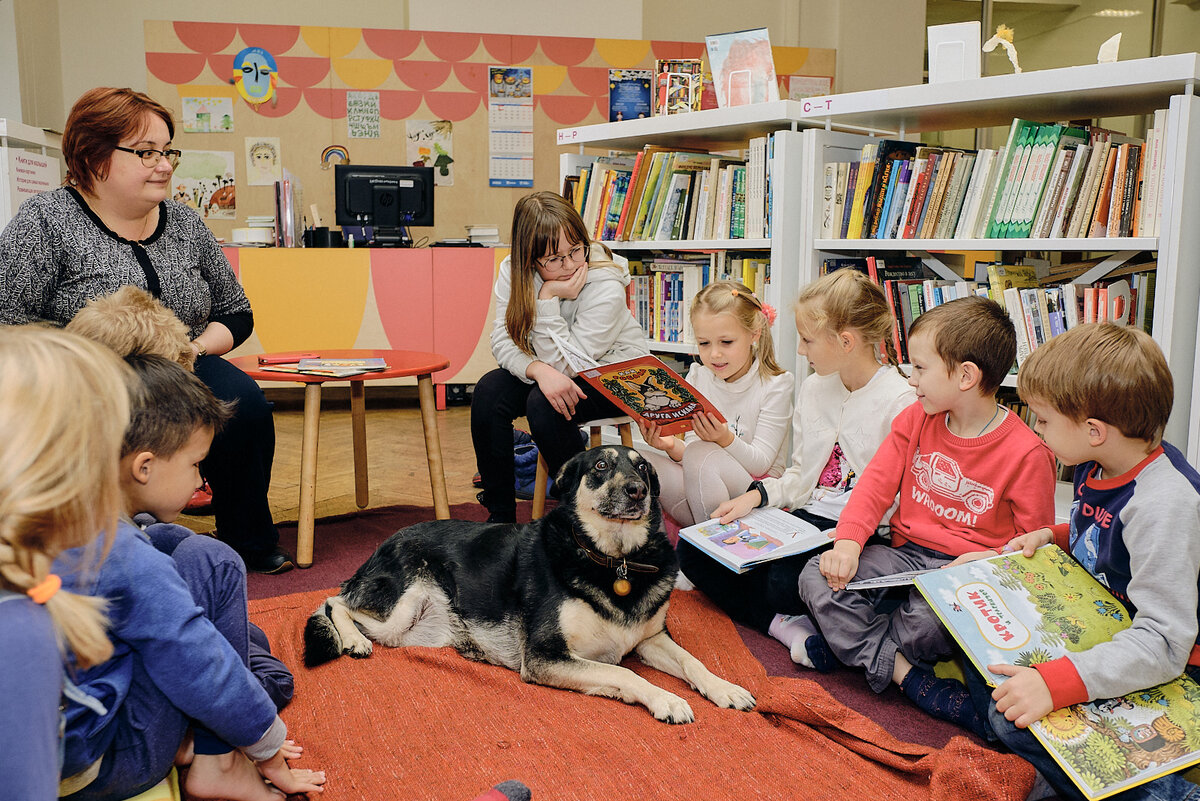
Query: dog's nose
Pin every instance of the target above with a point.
(636, 490)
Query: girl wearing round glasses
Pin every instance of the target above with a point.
(112, 224)
(557, 281)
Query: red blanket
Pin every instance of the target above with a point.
(425, 723)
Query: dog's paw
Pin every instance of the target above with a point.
(728, 695)
(670, 708)
(359, 649)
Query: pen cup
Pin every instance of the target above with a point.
(322, 237)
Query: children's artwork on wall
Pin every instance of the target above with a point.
(204, 181)
(207, 114)
(743, 67)
(334, 154)
(362, 115)
(264, 161)
(255, 75)
(430, 144)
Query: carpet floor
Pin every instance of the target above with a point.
(426, 723)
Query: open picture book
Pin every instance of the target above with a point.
(1007, 609)
(760, 536)
(644, 388)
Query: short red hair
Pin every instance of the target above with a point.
(98, 121)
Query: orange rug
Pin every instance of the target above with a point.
(424, 723)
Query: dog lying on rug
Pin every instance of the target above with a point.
(561, 600)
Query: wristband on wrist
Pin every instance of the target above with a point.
(762, 493)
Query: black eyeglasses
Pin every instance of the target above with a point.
(576, 255)
(150, 157)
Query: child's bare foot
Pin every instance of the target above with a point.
(291, 780)
(230, 776)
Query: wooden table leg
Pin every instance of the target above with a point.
(308, 475)
(358, 423)
(433, 447)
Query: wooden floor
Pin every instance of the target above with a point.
(396, 463)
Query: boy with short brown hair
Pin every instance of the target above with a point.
(969, 474)
(1102, 394)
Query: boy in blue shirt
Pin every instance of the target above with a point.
(181, 639)
(1102, 394)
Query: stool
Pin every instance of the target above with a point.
(624, 428)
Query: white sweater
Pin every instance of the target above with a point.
(757, 412)
(827, 414)
(598, 322)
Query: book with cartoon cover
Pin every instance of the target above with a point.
(646, 389)
(758, 537)
(1007, 609)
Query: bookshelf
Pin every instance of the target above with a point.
(720, 130)
(1093, 91)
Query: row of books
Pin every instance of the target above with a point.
(661, 289)
(1042, 308)
(1039, 307)
(661, 194)
(1049, 180)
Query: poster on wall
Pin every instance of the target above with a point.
(510, 126)
(362, 115)
(207, 114)
(430, 144)
(204, 181)
(264, 160)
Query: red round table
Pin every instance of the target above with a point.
(401, 363)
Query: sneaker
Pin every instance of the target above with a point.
(277, 561)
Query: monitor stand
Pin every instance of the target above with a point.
(392, 238)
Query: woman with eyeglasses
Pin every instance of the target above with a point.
(556, 282)
(111, 224)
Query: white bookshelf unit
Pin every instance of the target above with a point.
(717, 130)
(1087, 92)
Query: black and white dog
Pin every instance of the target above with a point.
(561, 600)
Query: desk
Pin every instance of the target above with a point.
(402, 363)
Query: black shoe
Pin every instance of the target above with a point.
(276, 561)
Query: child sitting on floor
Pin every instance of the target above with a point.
(1102, 394)
(174, 668)
(843, 412)
(970, 475)
(58, 489)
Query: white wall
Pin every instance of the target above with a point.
(10, 72)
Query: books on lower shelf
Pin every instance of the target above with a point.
(1049, 180)
(758, 537)
(662, 287)
(1011, 610)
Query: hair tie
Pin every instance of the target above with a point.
(769, 312)
(40, 593)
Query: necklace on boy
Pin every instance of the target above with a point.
(990, 421)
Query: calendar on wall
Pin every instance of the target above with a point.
(510, 126)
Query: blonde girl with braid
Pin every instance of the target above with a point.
(64, 406)
(738, 373)
(844, 410)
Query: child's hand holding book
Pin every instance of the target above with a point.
(840, 563)
(1024, 697)
(710, 429)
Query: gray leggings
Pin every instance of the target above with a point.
(707, 477)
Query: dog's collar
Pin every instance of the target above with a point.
(621, 585)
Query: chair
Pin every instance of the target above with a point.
(624, 426)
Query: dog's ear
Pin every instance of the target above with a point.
(567, 480)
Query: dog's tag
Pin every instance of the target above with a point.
(622, 586)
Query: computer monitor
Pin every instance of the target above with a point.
(379, 203)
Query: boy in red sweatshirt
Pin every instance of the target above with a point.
(970, 475)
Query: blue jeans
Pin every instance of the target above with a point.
(1172, 787)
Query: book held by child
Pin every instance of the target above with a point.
(1007, 609)
(758, 537)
